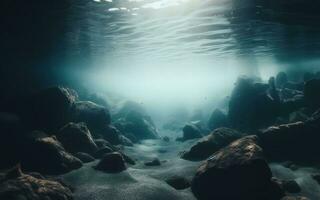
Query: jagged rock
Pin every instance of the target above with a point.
(178, 183)
(208, 145)
(190, 131)
(217, 120)
(137, 124)
(101, 152)
(127, 107)
(84, 157)
(296, 141)
(76, 137)
(114, 136)
(238, 171)
(46, 155)
(48, 109)
(18, 186)
(252, 105)
(102, 143)
(154, 162)
(111, 163)
(311, 93)
(95, 116)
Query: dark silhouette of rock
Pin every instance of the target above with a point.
(217, 120)
(114, 136)
(95, 116)
(295, 141)
(208, 145)
(190, 131)
(311, 93)
(46, 155)
(290, 186)
(154, 162)
(238, 171)
(137, 124)
(111, 163)
(76, 137)
(281, 79)
(178, 183)
(101, 152)
(166, 139)
(84, 157)
(48, 109)
(102, 143)
(16, 185)
(251, 106)
(316, 177)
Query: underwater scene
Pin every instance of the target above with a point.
(160, 100)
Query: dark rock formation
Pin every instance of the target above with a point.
(294, 198)
(311, 93)
(101, 152)
(252, 105)
(296, 141)
(15, 185)
(84, 157)
(217, 120)
(46, 155)
(154, 162)
(76, 137)
(138, 125)
(48, 109)
(238, 171)
(281, 79)
(95, 116)
(114, 136)
(190, 131)
(111, 163)
(290, 186)
(178, 183)
(208, 145)
(166, 139)
(316, 177)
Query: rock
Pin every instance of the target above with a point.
(290, 186)
(316, 177)
(217, 120)
(190, 131)
(126, 107)
(251, 106)
(84, 157)
(76, 137)
(127, 159)
(311, 93)
(294, 198)
(24, 187)
(281, 79)
(290, 165)
(46, 155)
(102, 143)
(166, 139)
(114, 136)
(111, 163)
(137, 124)
(48, 109)
(295, 141)
(95, 116)
(154, 162)
(238, 171)
(208, 145)
(101, 152)
(178, 183)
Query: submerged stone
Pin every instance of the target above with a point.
(111, 163)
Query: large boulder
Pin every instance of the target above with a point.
(95, 116)
(238, 171)
(76, 137)
(48, 109)
(295, 141)
(15, 185)
(190, 131)
(311, 92)
(46, 155)
(217, 120)
(138, 125)
(114, 136)
(208, 145)
(252, 105)
(111, 163)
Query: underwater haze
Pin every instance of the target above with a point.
(160, 100)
